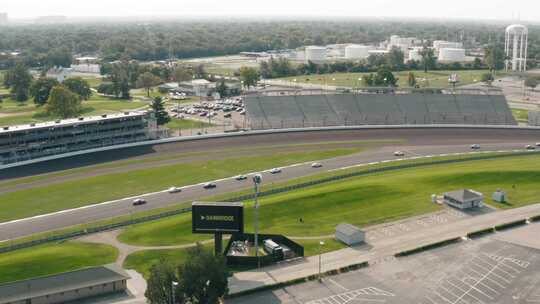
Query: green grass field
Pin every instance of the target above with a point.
(142, 261)
(40, 200)
(51, 259)
(365, 200)
(433, 79)
(182, 124)
(521, 115)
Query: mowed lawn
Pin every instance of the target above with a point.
(365, 200)
(434, 79)
(142, 261)
(182, 124)
(77, 193)
(52, 259)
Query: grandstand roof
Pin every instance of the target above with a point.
(71, 121)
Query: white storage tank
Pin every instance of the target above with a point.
(316, 54)
(451, 55)
(355, 51)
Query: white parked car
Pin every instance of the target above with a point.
(174, 190)
(275, 171)
(399, 153)
(475, 146)
(316, 165)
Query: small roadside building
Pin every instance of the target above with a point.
(349, 234)
(71, 286)
(464, 199)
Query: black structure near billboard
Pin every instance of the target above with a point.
(287, 249)
(217, 218)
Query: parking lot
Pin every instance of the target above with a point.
(488, 270)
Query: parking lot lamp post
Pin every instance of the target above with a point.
(257, 179)
(321, 243)
(173, 286)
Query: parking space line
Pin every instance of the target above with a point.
(476, 289)
(483, 284)
(338, 285)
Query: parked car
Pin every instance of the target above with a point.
(174, 190)
(530, 147)
(475, 146)
(209, 185)
(538, 144)
(275, 171)
(316, 165)
(139, 201)
(227, 115)
(399, 153)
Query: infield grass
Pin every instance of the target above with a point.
(52, 259)
(366, 200)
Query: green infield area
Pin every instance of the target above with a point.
(91, 190)
(434, 79)
(182, 124)
(52, 259)
(520, 115)
(142, 261)
(365, 200)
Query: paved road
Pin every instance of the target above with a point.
(376, 250)
(417, 143)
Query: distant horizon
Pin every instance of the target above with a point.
(495, 10)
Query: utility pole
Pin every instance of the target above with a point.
(257, 179)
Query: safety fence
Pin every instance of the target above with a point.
(367, 171)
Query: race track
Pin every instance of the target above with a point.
(414, 142)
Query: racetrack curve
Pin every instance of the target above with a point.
(413, 141)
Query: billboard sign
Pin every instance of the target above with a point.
(215, 217)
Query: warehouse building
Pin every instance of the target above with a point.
(70, 287)
(26, 142)
(464, 199)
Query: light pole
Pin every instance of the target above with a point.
(173, 285)
(321, 243)
(257, 179)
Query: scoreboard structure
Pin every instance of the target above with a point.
(217, 218)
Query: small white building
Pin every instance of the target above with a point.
(59, 73)
(315, 54)
(415, 54)
(349, 234)
(356, 51)
(442, 44)
(464, 199)
(499, 196)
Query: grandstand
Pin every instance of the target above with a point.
(26, 142)
(378, 108)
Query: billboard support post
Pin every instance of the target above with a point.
(218, 243)
(257, 179)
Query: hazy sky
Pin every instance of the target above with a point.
(471, 9)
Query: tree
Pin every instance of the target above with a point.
(158, 107)
(395, 58)
(19, 80)
(159, 285)
(384, 77)
(147, 80)
(249, 76)
(411, 80)
(203, 277)
(531, 82)
(222, 89)
(487, 78)
(182, 74)
(78, 86)
(120, 78)
(429, 61)
(494, 57)
(59, 58)
(63, 103)
(41, 89)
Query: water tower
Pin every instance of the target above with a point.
(515, 46)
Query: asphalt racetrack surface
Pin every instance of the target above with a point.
(414, 142)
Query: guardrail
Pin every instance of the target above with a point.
(261, 132)
(71, 235)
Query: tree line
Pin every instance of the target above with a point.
(159, 40)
